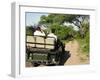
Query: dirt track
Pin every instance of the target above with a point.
(76, 57)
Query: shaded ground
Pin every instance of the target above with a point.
(76, 56)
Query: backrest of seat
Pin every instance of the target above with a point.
(30, 40)
(39, 42)
(50, 43)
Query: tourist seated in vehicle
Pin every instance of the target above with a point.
(51, 34)
(38, 32)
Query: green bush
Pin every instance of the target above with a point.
(84, 43)
(63, 32)
(29, 30)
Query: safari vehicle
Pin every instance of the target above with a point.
(45, 51)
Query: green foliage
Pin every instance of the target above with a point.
(29, 30)
(52, 18)
(59, 19)
(43, 20)
(85, 42)
(63, 32)
(46, 31)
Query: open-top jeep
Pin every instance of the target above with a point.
(45, 51)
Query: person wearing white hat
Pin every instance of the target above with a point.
(52, 34)
(39, 32)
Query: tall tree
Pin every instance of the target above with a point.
(77, 20)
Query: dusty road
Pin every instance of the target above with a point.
(76, 57)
